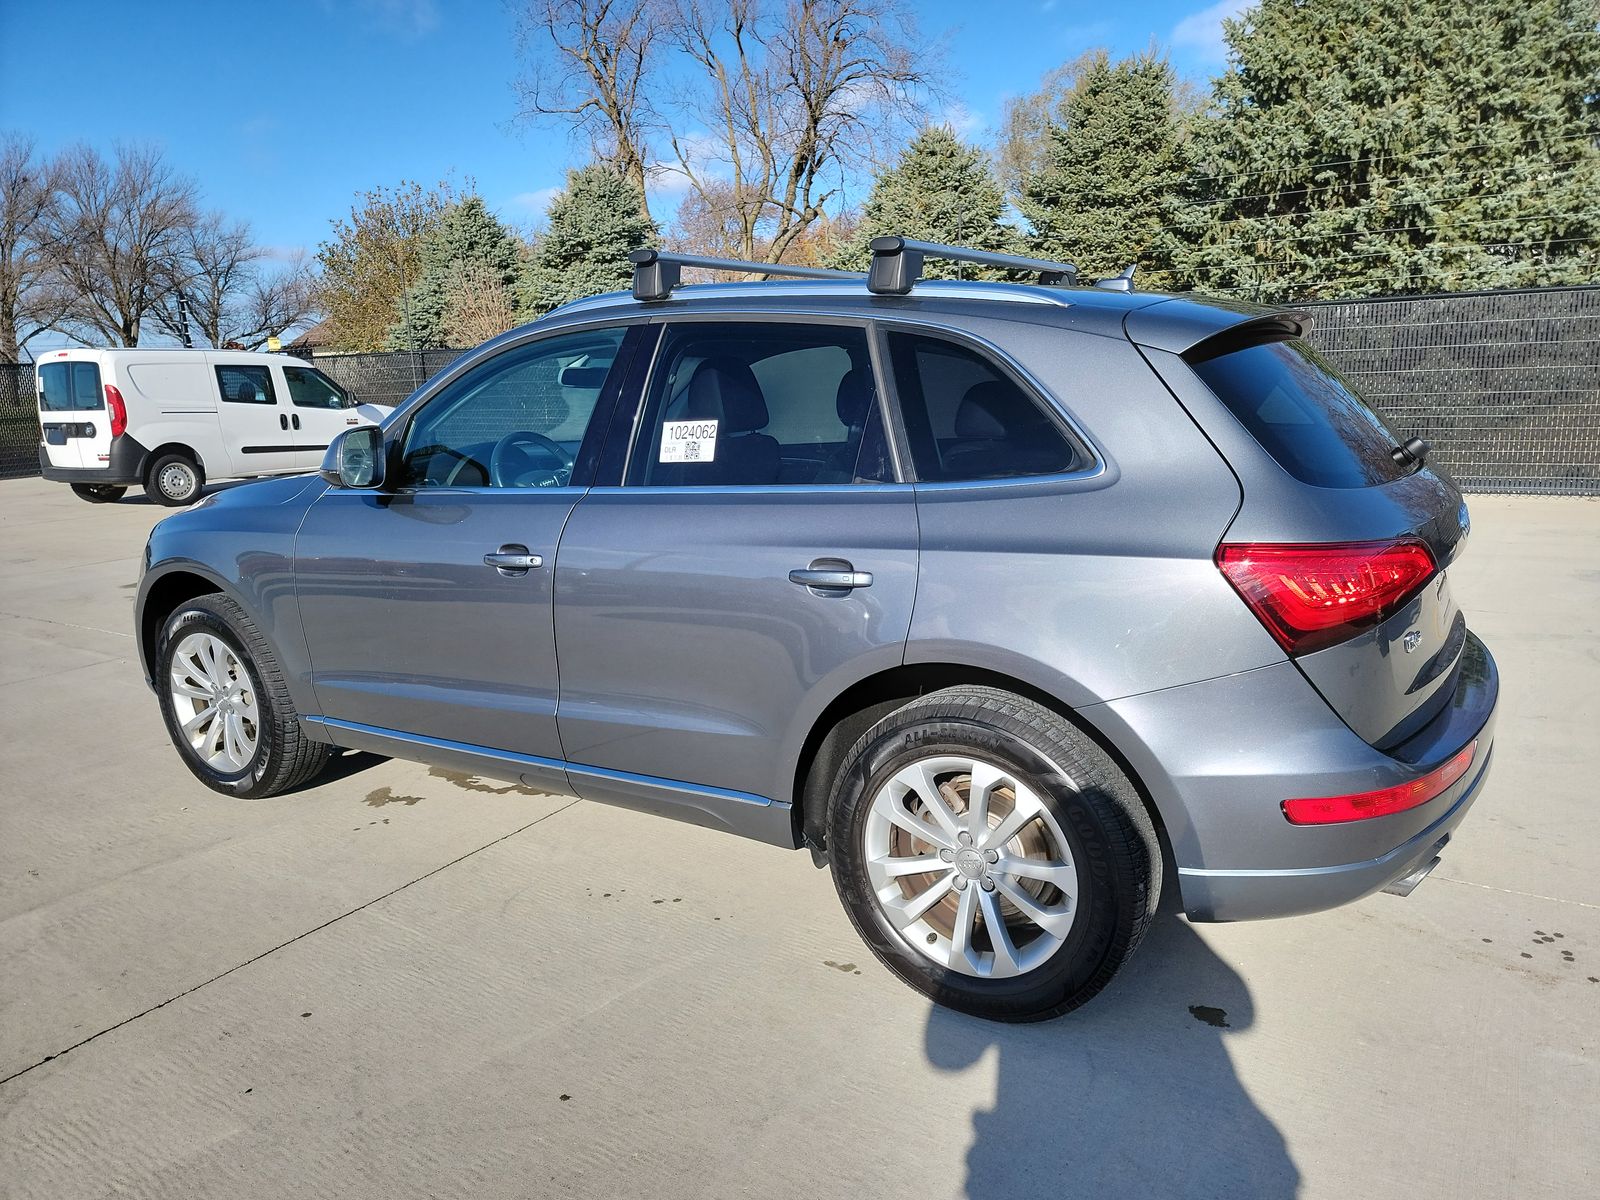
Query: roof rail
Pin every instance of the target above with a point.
(657, 272)
(897, 264)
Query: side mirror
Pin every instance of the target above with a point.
(355, 459)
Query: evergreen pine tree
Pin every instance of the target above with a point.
(941, 190)
(1361, 147)
(584, 248)
(467, 236)
(1105, 190)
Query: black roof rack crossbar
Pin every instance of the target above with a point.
(657, 272)
(897, 264)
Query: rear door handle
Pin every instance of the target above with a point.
(294, 419)
(513, 559)
(283, 421)
(830, 575)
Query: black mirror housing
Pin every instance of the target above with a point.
(355, 459)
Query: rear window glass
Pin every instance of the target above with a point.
(70, 387)
(1304, 415)
(966, 419)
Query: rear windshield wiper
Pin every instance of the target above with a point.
(1413, 451)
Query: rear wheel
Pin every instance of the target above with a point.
(174, 480)
(226, 706)
(99, 493)
(992, 855)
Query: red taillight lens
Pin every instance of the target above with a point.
(1330, 810)
(1314, 595)
(118, 411)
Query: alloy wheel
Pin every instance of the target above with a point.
(970, 866)
(214, 703)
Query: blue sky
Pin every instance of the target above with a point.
(284, 112)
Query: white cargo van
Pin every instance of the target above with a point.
(168, 420)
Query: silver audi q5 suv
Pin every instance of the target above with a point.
(1012, 602)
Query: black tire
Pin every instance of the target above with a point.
(174, 481)
(99, 493)
(1107, 828)
(284, 757)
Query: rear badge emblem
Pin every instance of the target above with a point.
(1412, 640)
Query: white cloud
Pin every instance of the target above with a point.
(963, 120)
(536, 201)
(1201, 33)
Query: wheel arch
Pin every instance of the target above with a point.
(868, 700)
(156, 454)
(163, 593)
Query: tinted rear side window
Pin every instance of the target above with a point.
(70, 387)
(1304, 415)
(967, 419)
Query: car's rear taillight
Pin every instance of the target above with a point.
(1331, 810)
(117, 410)
(1314, 595)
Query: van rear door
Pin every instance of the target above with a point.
(73, 421)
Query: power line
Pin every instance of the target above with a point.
(1410, 155)
(1290, 262)
(1355, 233)
(1363, 183)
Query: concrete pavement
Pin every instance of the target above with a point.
(415, 983)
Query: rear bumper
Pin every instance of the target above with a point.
(1238, 895)
(126, 465)
(1219, 758)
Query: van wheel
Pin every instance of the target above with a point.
(226, 706)
(99, 493)
(992, 855)
(174, 480)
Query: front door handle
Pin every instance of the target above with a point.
(294, 419)
(283, 421)
(513, 559)
(830, 576)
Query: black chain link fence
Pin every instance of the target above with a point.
(1506, 385)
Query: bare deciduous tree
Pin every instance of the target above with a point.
(793, 96)
(31, 299)
(233, 298)
(121, 226)
(592, 60)
(477, 304)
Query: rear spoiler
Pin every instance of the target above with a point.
(1198, 330)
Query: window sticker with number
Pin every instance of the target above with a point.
(688, 441)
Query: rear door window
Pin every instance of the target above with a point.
(967, 419)
(1304, 415)
(70, 387)
(246, 385)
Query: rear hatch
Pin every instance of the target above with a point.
(73, 422)
(1343, 541)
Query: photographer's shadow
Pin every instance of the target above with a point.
(1133, 1095)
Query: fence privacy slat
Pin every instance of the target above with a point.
(1506, 385)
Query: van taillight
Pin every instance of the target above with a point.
(117, 410)
(1310, 596)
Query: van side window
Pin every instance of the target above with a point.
(310, 388)
(246, 385)
(967, 419)
(70, 387)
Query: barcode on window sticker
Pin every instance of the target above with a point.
(688, 441)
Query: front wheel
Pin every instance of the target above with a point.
(99, 493)
(174, 481)
(992, 855)
(226, 706)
